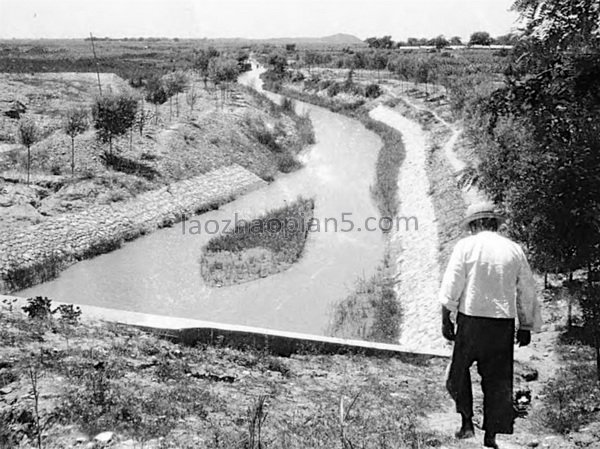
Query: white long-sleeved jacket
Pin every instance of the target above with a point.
(488, 276)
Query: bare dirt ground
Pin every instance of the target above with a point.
(176, 143)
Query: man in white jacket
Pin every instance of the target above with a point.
(487, 285)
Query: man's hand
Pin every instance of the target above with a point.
(523, 337)
(447, 325)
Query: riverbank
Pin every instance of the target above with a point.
(163, 148)
(41, 251)
(415, 266)
(246, 139)
(448, 200)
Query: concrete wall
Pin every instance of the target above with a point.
(40, 251)
(189, 331)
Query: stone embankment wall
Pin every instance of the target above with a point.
(40, 251)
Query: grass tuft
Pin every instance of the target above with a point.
(259, 247)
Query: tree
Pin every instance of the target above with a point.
(455, 40)
(278, 63)
(143, 117)
(480, 38)
(541, 149)
(76, 122)
(200, 63)
(174, 83)
(359, 60)
(243, 61)
(372, 42)
(379, 62)
(507, 39)
(191, 97)
(223, 71)
(28, 135)
(440, 42)
(311, 58)
(423, 74)
(113, 116)
(560, 26)
(384, 42)
(590, 306)
(155, 93)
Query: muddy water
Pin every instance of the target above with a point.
(160, 273)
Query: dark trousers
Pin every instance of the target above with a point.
(489, 342)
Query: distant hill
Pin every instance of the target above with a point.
(335, 39)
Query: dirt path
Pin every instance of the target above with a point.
(417, 267)
(471, 194)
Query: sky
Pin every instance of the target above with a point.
(253, 18)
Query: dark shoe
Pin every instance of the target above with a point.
(466, 429)
(489, 440)
(464, 433)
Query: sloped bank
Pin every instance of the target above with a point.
(415, 252)
(41, 251)
(448, 201)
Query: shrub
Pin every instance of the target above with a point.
(265, 136)
(297, 77)
(324, 84)
(113, 116)
(313, 82)
(334, 89)
(38, 308)
(287, 163)
(571, 398)
(156, 92)
(373, 91)
(287, 104)
(68, 313)
(306, 130)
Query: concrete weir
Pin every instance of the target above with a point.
(188, 331)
